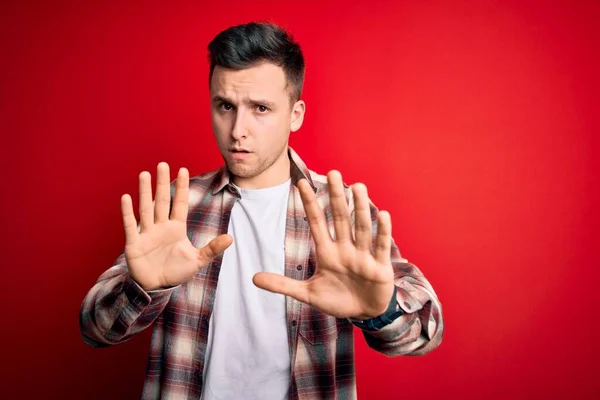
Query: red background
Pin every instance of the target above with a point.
(474, 123)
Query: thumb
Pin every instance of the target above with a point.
(277, 283)
(214, 248)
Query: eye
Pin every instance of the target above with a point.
(225, 107)
(262, 109)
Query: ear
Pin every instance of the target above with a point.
(297, 116)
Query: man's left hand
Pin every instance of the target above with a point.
(351, 279)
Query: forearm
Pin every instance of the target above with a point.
(116, 308)
(419, 327)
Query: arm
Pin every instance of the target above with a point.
(116, 308)
(358, 269)
(130, 295)
(413, 325)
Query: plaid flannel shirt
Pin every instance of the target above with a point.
(321, 346)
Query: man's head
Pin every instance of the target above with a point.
(256, 80)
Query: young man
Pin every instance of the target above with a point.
(254, 275)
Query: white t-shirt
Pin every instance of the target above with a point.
(248, 355)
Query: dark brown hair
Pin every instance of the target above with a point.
(243, 46)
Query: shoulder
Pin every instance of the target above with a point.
(320, 182)
(201, 185)
(206, 179)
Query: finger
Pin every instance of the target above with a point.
(339, 207)
(276, 283)
(214, 248)
(180, 199)
(314, 213)
(363, 228)
(129, 221)
(146, 209)
(162, 198)
(383, 241)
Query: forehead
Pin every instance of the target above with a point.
(264, 79)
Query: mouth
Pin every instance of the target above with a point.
(239, 154)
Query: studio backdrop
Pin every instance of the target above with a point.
(475, 124)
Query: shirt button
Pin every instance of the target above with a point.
(407, 306)
(294, 323)
(299, 267)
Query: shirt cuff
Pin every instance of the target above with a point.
(139, 299)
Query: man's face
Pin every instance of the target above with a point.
(252, 119)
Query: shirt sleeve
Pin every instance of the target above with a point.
(116, 308)
(413, 325)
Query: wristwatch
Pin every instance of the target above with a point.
(390, 315)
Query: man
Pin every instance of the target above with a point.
(254, 275)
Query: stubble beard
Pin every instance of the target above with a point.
(244, 169)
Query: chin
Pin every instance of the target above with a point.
(242, 171)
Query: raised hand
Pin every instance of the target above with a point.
(160, 254)
(351, 279)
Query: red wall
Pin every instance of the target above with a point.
(476, 125)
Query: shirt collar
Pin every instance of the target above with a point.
(298, 170)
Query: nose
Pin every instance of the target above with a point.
(239, 130)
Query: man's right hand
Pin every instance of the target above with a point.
(160, 254)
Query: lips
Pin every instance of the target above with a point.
(239, 154)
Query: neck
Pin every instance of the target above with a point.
(276, 174)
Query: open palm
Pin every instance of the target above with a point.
(159, 254)
(351, 279)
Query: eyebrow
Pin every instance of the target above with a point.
(219, 99)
